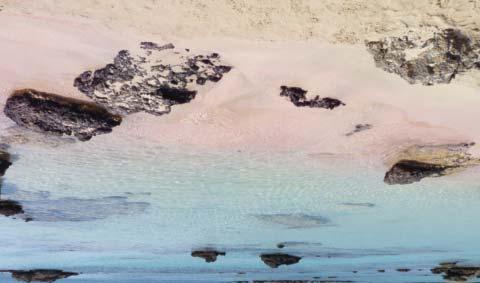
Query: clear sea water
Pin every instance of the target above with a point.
(129, 211)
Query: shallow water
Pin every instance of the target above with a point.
(130, 211)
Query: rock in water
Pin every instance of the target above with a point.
(4, 162)
(208, 255)
(411, 171)
(40, 275)
(435, 60)
(298, 97)
(10, 207)
(151, 79)
(456, 273)
(54, 114)
(277, 259)
(421, 161)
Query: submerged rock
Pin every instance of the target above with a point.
(295, 221)
(54, 114)
(40, 275)
(358, 204)
(435, 60)
(208, 255)
(282, 245)
(298, 97)
(152, 79)
(458, 273)
(10, 207)
(411, 171)
(276, 259)
(418, 162)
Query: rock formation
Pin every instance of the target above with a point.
(418, 162)
(456, 273)
(208, 255)
(54, 114)
(299, 98)
(276, 259)
(40, 275)
(152, 80)
(435, 60)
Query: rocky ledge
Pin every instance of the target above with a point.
(456, 273)
(54, 114)
(276, 259)
(208, 255)
(152, 79)
(40, 275)
(435, 60)
(418, 162)
(298, 97)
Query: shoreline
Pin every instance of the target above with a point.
(244, 110)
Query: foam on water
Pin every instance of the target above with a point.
(132, 212)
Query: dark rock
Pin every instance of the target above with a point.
(276, 259)
(437, 60)
(146, 82)
(410, 171)
(54, 114)
(208, 255)
(10, 208)
(4, 162)
(281, 245)
(298, 97)
(420, 161)
(40, 275)
(403, 269)
(458, 273)
(381, 270)
(176, 96)
(359, 128)
(152, 45)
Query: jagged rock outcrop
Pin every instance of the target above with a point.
(208, 255)
(40, 275)
(299, 98)
(276, 259)
(457, 273)
(54, 114)
(418, 162)
(151, 80)
(435, 60)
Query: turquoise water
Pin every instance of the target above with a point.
(130, 211)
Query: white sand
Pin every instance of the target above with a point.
(45, 44)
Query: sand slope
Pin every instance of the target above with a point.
(344, 21)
